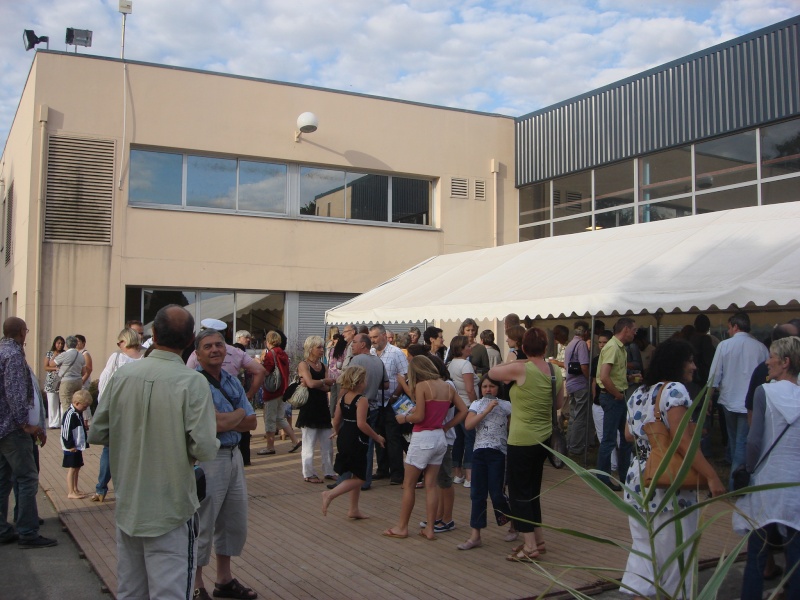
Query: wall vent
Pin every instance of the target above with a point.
(80, 190)
(480, 189)
(459, 187)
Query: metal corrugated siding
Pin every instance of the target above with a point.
(746, 82)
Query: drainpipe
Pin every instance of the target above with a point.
(39, 235)
(495, 185)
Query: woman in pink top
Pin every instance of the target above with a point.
(433, 398)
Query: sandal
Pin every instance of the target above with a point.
(523, 555)
(313, 479)
(539, 548)
(233, 589)
(265, 451)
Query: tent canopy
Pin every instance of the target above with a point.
(732, 257)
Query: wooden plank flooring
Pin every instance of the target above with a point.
(294, 553)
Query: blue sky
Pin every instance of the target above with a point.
(508, 56)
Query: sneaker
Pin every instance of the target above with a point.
(467, 484)
(11, 537)
(441, 527)
(38, 542)
(436, 523)
(459, 479)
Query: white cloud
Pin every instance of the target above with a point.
(505, 56)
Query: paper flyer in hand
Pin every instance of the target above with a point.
(403, 405)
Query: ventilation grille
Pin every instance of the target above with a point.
(9, 215)
(480, 189)
(80, 190)
(459, 187)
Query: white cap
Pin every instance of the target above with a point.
(214, 324)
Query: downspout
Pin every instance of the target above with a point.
(39, 233)
(495, 187)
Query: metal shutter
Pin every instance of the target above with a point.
(80, 190)
(311, 313)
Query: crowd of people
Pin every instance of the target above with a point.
(426, 415)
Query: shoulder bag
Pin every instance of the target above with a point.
(574, 366)
(296, 395)
(557, 440)
(273, 381)
(660, 437)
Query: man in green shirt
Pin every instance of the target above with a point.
(157, 418)
(612, 377)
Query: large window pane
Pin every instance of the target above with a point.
(322, 192)
(572, 195)
(534, 203)
(665, 174)
(614, 218)
(725, 161)
(671, 209)
(782, 190)
(572, 225)
(735, 198)
(211, 182)
(217, 305)
(411, 199)
(259, 313)
(367, 197)
(613, 185)
(534, 233)
(262, 187)
(780, 149)
(156, 178)
(154, 300)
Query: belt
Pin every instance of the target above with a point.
(229, 447)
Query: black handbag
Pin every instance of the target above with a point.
(557, 440)
(200, 482)
(574, 366)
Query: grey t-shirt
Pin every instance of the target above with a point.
(70, 364)
(376, 375)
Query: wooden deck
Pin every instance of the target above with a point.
(293, 552)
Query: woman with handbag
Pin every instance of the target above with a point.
(663, 395)
(51, 383)
(533, 401)
(276, 364)
(314, 419)
(773, 449)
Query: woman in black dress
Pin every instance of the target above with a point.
(314, 418)
(353, 433)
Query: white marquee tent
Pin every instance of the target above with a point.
(734, 257)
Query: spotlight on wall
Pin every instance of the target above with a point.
(306, 123)
(30, 39)
(78, 37)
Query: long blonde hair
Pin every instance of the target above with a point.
(421, 368)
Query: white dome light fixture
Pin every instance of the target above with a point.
(306, 123)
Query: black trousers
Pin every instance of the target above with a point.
(525, 465)
(390, 459)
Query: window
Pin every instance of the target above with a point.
(780, 190)
(262, 187)
(665, 174)
(726, 199)
(572, 195)
(367, 197)
(211, 182)
(682, 207)
(322, 192)
(572, 225)
(614, 218)
(411, 201)
(536, 232)
(156, 178)
(725, 161)
(534, 203)
(780, 149)
(613, 185)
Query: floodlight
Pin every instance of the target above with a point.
(79, 37)
(306, 123)
(30, 39)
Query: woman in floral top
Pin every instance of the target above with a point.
(50, 385)
(671, 367)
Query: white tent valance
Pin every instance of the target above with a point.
(733, 257)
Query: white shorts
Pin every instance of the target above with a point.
(426, 448)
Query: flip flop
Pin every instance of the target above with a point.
(392, 534)
(430, 539)
(314, 479)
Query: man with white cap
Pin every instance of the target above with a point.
(235, 359)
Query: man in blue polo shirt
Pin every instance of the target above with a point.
(223, 512)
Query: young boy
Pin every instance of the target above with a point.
(73, 441)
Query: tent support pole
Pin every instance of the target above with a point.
(589, 418)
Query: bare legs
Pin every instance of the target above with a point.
(73, 492)
(352, 485)
(409, 498)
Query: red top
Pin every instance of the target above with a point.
(283, 366)
(435, 411)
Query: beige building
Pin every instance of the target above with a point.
(127, 186)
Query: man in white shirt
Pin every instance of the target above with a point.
(731, 369)
(390, 460)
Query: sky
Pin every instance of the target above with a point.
(509, 57)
